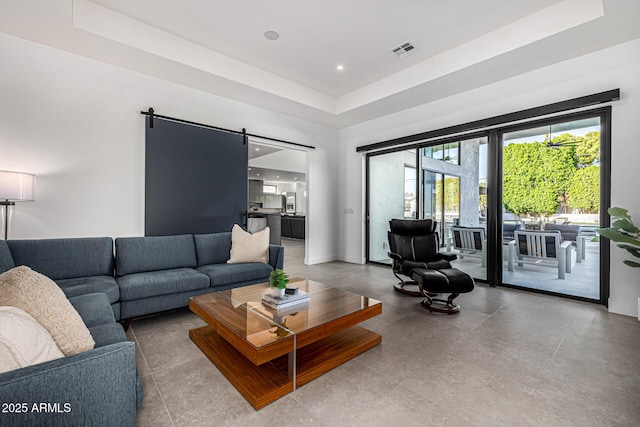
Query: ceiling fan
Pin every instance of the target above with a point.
(559, 144)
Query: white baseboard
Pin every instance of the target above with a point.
(353, 259)
(320, 260)
(628, 307)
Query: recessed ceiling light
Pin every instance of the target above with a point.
(271, 35)
(340, 67)
(257, 149)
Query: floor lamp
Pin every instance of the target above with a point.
(15, 187)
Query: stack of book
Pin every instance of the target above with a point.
(287, 301)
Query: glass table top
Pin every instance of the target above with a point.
(242, 311)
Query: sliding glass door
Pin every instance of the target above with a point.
(392, 193)
(519, 205)
(446, 182)
(551, 201)
(454, 184)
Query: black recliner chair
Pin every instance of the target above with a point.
(414, 250)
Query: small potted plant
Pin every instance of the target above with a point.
(278, 280)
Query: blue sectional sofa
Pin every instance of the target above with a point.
(160, 273)
(78, 265)
(146, 275)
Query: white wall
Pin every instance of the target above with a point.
(617, 67)
(291, 160)
(76, 124)
(301, 199)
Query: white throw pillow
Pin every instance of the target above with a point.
(247, 247)
(44, 300)
(23, 341)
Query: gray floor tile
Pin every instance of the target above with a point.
(508, 358)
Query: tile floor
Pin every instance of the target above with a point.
(508, 358)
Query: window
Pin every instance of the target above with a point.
(270, 189)
(449, 152)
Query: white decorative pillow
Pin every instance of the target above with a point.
(247, 247)
(23, 341)
(44, 300)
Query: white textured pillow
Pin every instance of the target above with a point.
(23, 341)
(44, 300)
(247, 247)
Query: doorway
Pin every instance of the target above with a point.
(278, 193)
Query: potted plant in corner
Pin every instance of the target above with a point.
(278, 280)
(626, 234)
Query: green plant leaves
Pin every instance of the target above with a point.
(618, 212)
(278, 279)
(631, 263)
(624, 232)
(617, 236)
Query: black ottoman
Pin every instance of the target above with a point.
(440, 281)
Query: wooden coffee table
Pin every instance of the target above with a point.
(267, 355)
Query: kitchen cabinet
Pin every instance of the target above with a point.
(293, 226)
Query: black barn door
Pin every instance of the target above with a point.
(195, 179)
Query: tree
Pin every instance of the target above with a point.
(584, 190)
(587, 146)
(536, 177)
(588, 149)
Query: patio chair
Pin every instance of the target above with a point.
(542, 248)
(570, 233)
(470, 242)
(508, 228)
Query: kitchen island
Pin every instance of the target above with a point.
(257, 221)
(293, 226)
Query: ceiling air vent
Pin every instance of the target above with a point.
(403, 50)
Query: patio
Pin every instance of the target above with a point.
(583, 281)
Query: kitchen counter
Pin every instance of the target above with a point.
(257, 221)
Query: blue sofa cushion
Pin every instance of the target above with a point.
(89, 285)
(143, 285)
(225, 274)
(109, 333)
(151, 253)
(213, 248)
(95, 309)
(6, 260)
(65, 258)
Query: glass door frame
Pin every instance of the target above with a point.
(495, 196)
(494, 189)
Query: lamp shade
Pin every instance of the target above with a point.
(17, 186)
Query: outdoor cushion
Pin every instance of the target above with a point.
(143, 254)
(89, 285)
(225, 274)
(153, 283)
(213, 248)
(44, 300)
(568, 232)
(65, 258)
